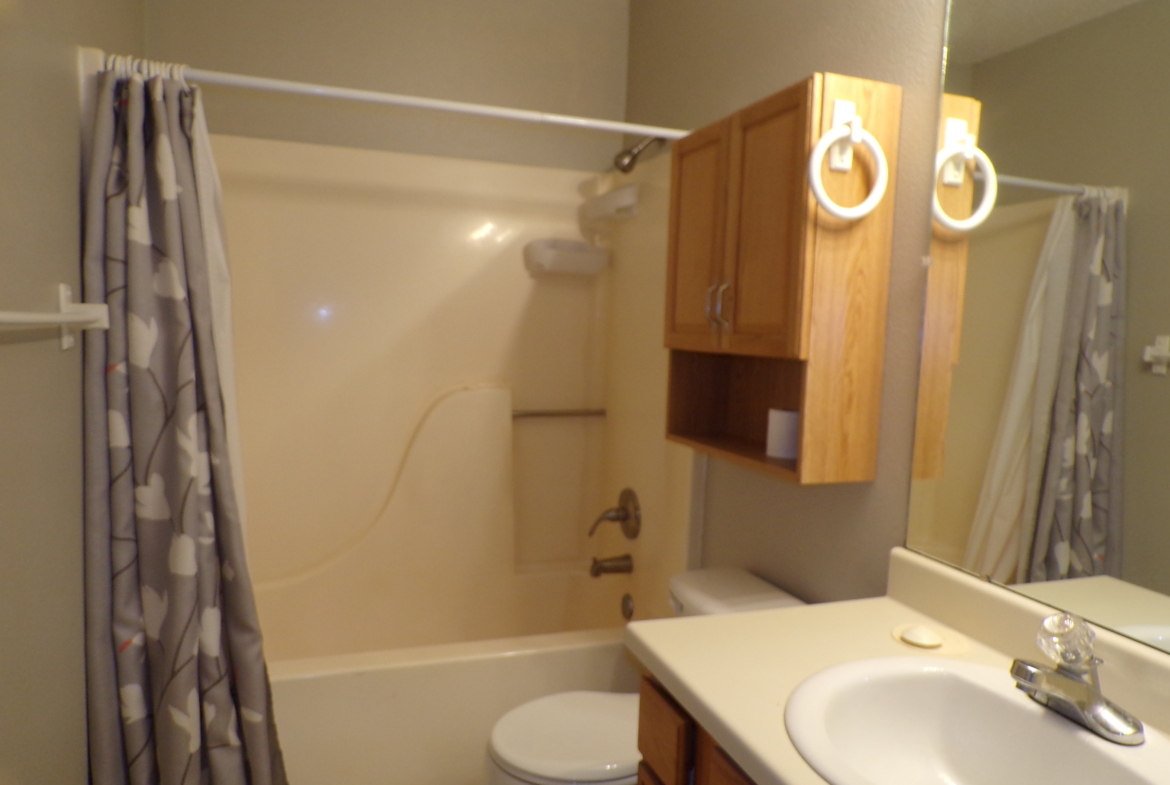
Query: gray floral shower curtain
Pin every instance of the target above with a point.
(177, 685)
(1079, 523)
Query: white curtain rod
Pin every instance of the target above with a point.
(1040, 185)
(483, 110)
(91, 61)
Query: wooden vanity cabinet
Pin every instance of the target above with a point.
(771, 301)
(666, 735)
(675, 750)
(712, 764)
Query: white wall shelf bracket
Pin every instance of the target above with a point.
(1158, 355)
(69, 317)
(841, 153)
(954, 132)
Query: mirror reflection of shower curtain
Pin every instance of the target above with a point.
(1050, 504)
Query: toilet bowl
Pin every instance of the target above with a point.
(591, 738)
(569, 737)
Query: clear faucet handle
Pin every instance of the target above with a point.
(1068, 640)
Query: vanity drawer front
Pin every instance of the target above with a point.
(713, 767)
(646, 775)
(665, 735)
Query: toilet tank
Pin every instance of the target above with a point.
(724, 590)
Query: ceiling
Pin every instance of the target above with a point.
(982, 29)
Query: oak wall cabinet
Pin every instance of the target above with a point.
(675, 749)
(945, 285)
(772, 302)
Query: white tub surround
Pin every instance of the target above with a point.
(734, 673)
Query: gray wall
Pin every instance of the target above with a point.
(564, 57)
(1088, 106)
(694, 61)
(42, 680)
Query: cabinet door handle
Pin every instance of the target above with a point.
(723, 287)
(710, 319)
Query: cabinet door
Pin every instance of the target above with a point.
(646, 775)
(698, 218)
(713, 767)
(666, 735)
(769, 234)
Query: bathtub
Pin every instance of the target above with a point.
(422, 716)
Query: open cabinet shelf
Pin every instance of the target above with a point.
(719, 404)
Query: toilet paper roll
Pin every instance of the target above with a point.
(783, 434)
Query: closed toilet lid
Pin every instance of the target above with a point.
(571, 737)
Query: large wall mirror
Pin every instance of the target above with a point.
(1049, 469)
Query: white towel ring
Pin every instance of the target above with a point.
(852, 131)
(967, 149)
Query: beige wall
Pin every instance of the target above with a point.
(694, 62)
(42, 708)
(1083, 106)
(529, 54)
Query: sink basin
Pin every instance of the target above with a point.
(922, 721)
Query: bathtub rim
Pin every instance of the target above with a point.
(415, 656)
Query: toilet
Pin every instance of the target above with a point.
(591, 738)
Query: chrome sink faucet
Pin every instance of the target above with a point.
(1072, 688)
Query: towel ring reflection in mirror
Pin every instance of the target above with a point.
(967, 149)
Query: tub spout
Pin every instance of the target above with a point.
(624, 563)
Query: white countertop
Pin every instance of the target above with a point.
(733, 673)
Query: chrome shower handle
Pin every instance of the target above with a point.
(612, 514)
(628, 513)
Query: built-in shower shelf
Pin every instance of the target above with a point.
(518, 414)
